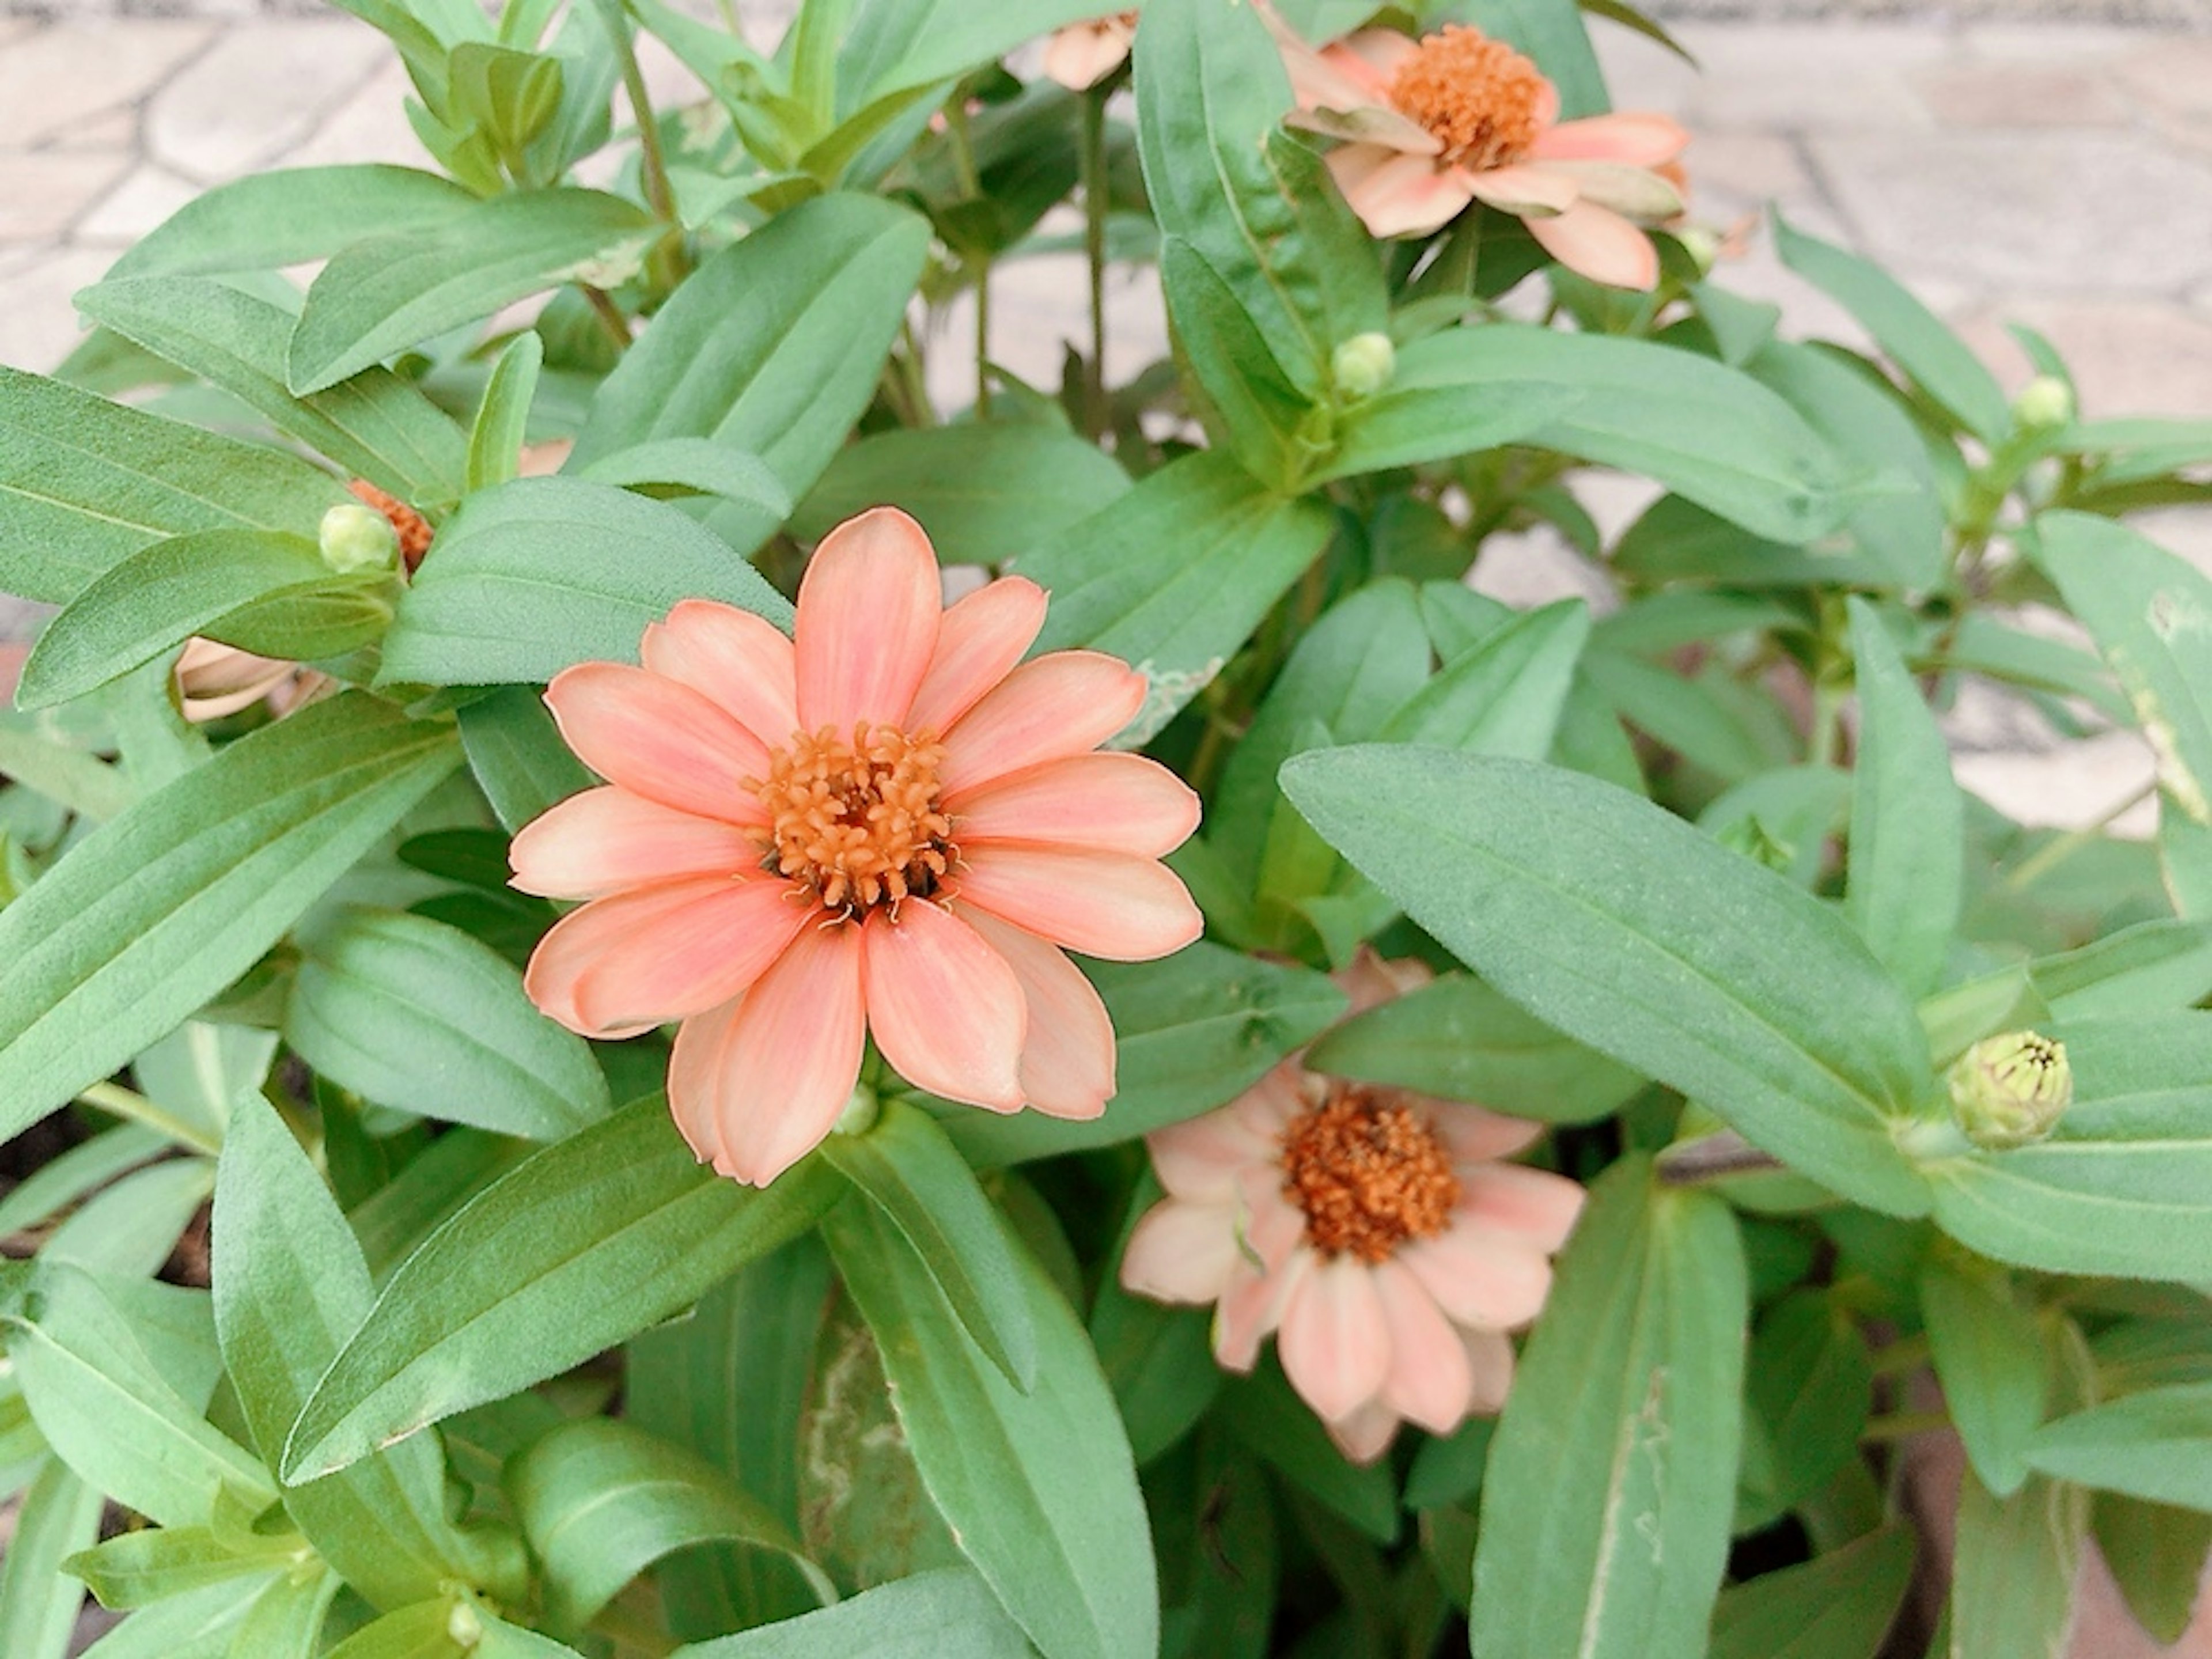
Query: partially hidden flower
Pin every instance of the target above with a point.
(1081, 55)
(214, 680)
(1376, 1233)
(1430, 126)
(888, 825)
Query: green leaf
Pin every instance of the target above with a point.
(516, 753)
(1190, 1034)
(424, 1631)
(502, 422)
(373, 425)
(135, 1569)
(1990, 1358)
(894, 44)
(59, 1516)
(154, 912)
(601, 1501)
(1810, 1389)
(2156, 1445)
(1039, 1488)
(2162, 964)
(409, 1012)
(700, 466)
(773, 347)
(270, 220)
(1913, 336)
(198, 1625)
(1908, 818)
(579, 1246)
(2149, 612)
(1262, 1411)
(286, 1619)
(1605, 1511)
(950, 1612)
(84, 483)
(2157, 1555)
(2016, 1562)
(906, 1169)
(386, 294)
(1839, 1606)
(1159, 1359)
(85, 785)
(64, 1180)
(1638, 935)
(132, 1227)
(523, 586)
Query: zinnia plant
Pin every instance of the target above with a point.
(683, 979)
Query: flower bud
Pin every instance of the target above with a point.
(860, 1111)
(1363, 365)
(465, 1625)
(355, 538)
(1703, 246)
(2045, 404)
(2011, 1091)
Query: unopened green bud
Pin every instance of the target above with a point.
(2011, 1090)
(1363, 365)
(465, 1625)
(862, 1109)
(355, 538)
(2045, 404)
(1703, 246)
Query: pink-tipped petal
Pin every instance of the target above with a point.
(792, 1055)
(1113, 802)
(605, 840)
(1635, 140)
(1319, 80)
(1490, 1281)
(1102, 905)
(1598, 243)
(1063, 704)
(1334, 1346)
(945, 1008)
(1490, 1363)
(1524, 190)
(1429, 1380)
(1180, 1253)
(626, 963)
(658, 739)
(1472, 1135)
(1534, 1206)
(740, 661)
(979, 642)
(1366, 1434)
(867, 623)
(693, 1069)
(1395, 194)
(1198, 1160)
(1068, 1056)
(1252, 1305)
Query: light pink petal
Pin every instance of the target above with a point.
(1429, 1379)
(1534, 1205)
(1598, 243)
(867, 621)
(1200, 1159)
(1275, 1227)
(1319, 79)
(1082, 55)
(1068, 1056)
(1488, 1280)
(604, 841)
(1546, 111)
(1102, 905)
(1400, 195)
(791, 1057)
(1472, 1135)
(693, 1070)
(1063, 704)
(1366, 1434)
(740, 661)
(1524, 189)
(1376, 55)
(945, 1008)
(978, 642)
(1490, 1363)
(1252, 1305)
(1180, 1253)
(1334, 1346)
(1635, 140)
(658, 739)
(626, 963)
(1635, 193)
(1369, 124)
(1267, 1107)
(1369, 981)
(1115, 802)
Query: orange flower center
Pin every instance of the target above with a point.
(856, 824)
(1480, 97)
(1368, 1173)
(414, 529)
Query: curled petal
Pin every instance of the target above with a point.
(1067, 1056)
(741, 662)
(1400, 195)
(1524, 190)
(1102, 905)
(788, 1061)
(1082, 55)
(1180, 1253)
(658, 739)
(1063, 704)
(1113, 802)
(605, 840)
(1598, 243)
(1635, 193)
(1636, 140)
(1335, 1344)
(945, 1008)
(1369, 123)
(1370, 981)
(1490, 1281)
(1430, 1380)
(867, 621)
(1373, 55)
(979, 642)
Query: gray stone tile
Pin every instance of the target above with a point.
(2128, 357)
(2174, 78)
(42, 191)
(2073, 44)
(2022, 95)
(145, 198)
(2183, 530)
(70, 72)
(258, 92)
(117, 130)
(1812, 78)
(38, 324)
(371, 126)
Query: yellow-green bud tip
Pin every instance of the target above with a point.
(465, 1625)
(355, 538)
(862, 1107)
(1363, 365)
(2011, 1090)
(2045, 404)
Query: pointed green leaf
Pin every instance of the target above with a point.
(1839, 1606)
(694, 467)
(949, 1612)
(286, 217)
(517, 755)
(1990, 1358)
(38, 1599)
(502, 422)
(2155, 1445)
(2017, 1562)
(136, 1569)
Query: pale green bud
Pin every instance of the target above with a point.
(1703, 246)
(465, 1625)
(355, 538)
(860, 1112)
(2011, 1091)
(2045, 404)
(1363, 365)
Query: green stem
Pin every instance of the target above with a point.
(983, 339)
(1908, 1354)
(1902, 1425)
(609, 315)
(1094, 193)
(2058, 850)
(669, 256)
(125, 1103)
(971, 187)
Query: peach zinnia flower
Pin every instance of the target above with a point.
(881, 827)
(1457, 117)
(1082, 55)
(1375, 1230)
(214, 680)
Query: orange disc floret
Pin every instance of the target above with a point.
(1369, 1174)
(1484, 101)
(856, 823)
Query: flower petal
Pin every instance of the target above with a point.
(1082, 55)
(1334, 1346)
(1490, 1360)
(1533, 1206)
(1396, 194)
(741, 662)
(1067, 1056)
(1252, 1305)
(867, 621)
(1102, 905)
(1598, 243)
(979, 642)
(626, 963)
(658, 739)
(791, 1055)
(1429, 1379)
(1181, 1252)
(1060, 705)
(1200, 1158)
(1634, 139)
(1474, 1135)
(1635, 193)
(1488, 1280)
(1524, 190)
(1374, 56)
(1366, 1434)
(607, 839)
(945, 1008)
(693, 1069)
(1108, 801)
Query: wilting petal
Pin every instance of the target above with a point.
(945, 1008)
(1429, 1380)
(1371, 981)
(214, 679)
(658, 739)
(1252, 1305)
(1366, 1434)
(1636, 140)
(1181, 1252)
(867, 621)
(1598, 243)
(1635, 193)
(604, 841)
(1200, 1158)
(1472, 1135)
(1400, 195)
(1334, 1346)
(792, 1055)
(1534, 1206)
(1102, 905)
(1490, 1363)
(1063, 704)
(1082, 55)
(1524, 189)
(1113, 802)
(1067, 1056)
(625, 964)
(978, 642)
(1489, 1280)
(741, 662)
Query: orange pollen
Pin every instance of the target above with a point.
(1481, 98)
(856, 824)
(414, 529)
(1369, 1174)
